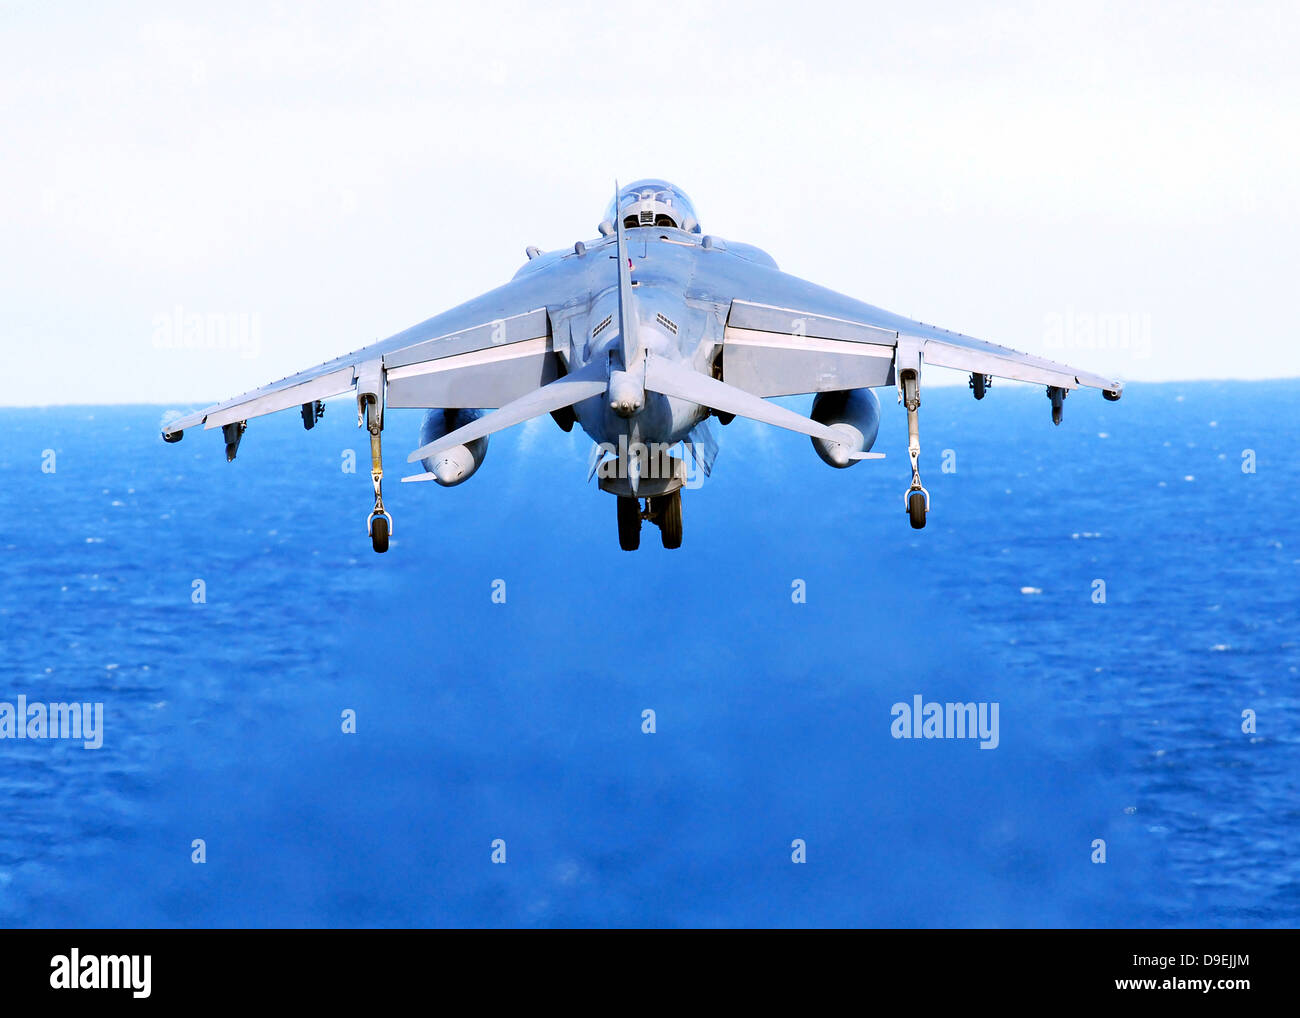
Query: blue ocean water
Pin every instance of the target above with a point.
(522, 721)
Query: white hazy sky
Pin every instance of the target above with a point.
(1032, 174)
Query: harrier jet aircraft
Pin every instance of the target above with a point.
(640, 336)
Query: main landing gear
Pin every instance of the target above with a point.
(380, 522)
(917, 498)
(629, 523)
(665, 511)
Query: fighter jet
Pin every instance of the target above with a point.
(640, 336)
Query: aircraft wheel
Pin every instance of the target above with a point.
(669, 512)
(629, 523)
(916, 509)
(379, 533)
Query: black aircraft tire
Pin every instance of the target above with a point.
(669, 510)
(629, 523)
(379, 534)
(916, 510)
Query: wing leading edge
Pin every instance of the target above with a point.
(485, 353)
(785, 335)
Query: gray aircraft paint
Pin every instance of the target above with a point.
(632, 347)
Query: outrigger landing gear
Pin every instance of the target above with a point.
(380, 522)
(917, 499)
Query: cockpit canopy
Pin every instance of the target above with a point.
(654, 203)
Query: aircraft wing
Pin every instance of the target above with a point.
(785, 335)
(485, 353)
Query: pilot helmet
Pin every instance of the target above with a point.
(655, 203)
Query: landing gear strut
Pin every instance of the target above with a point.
(380, 522)
(917, 498)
